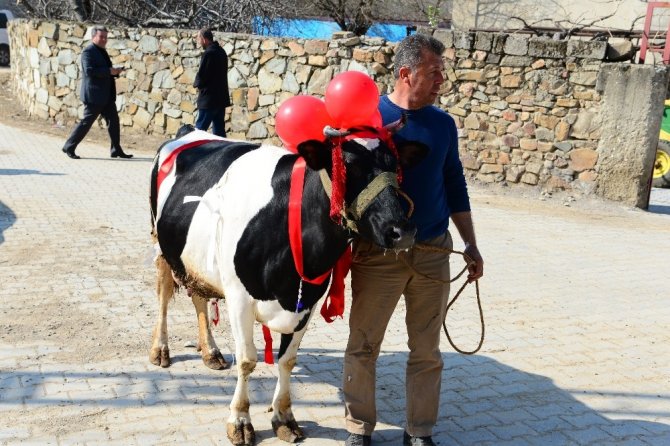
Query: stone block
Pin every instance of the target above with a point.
(620, 51)
(142, 119)
(314, 46)
(48, 30)
(491, 168)
(483, 41)
(586, 78)
(587, 49)
(470, 75)
(516, 45)
(583, 159)
(516, 61)
(554, 49)
(444, 36)
(529, 178)
(463, 40)
(149, 44)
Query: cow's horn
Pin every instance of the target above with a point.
(396, 125)
(334, 133)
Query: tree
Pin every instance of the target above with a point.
(358, 16)
(222, 15)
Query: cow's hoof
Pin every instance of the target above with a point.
(241, 433)
(288, 431)
(215, 360)
(160, 356)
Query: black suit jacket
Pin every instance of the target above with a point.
(97, 86)
(212, 78)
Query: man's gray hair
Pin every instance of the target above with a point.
(408, 52)
(95, 29)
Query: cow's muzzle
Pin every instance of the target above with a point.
(400, 238)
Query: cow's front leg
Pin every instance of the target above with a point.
(239, 428)
(165, 287)
(211, 355)
(283, 421)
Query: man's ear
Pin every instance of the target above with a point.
(317, 154)
(411, 153)
(403, 74)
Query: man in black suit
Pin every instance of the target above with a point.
(98, 93)
(212, 81)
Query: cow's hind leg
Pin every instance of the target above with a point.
(283, 421)
(165, 287)
(211, 355)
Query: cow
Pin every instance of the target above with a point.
(221, 219)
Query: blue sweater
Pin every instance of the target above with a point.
(436, 185)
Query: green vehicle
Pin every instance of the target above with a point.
(661, 176)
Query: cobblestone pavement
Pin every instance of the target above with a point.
(575, 298)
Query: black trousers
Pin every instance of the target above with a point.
(91, 113)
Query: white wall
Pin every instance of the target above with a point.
(494, 14)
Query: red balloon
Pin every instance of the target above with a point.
(299, 119)
(351, 99)
(376, 120)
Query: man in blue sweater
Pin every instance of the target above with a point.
(439, 192)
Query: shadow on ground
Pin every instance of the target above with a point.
(483, 400)
(10, 172)
(659, 209)
(7, 219)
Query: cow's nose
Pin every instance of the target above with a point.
(399, 237)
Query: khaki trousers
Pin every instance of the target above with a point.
(377, 281)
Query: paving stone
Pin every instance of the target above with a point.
(576, 324)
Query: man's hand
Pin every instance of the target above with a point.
(476, 267)
(116, 70)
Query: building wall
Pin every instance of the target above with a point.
(497, 14)
(529, 111)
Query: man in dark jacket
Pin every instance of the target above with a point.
(212, 81)
(98, 93)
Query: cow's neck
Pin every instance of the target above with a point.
(323, 240)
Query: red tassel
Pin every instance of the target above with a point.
(333, 306)
(388, 139)
(269, 359)
(215, 319)
(338, 179)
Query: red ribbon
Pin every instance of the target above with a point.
(166, 167)
(215, 319)
(333, 306)
(295, 221)
(268, 345)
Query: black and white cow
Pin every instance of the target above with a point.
(220, 214)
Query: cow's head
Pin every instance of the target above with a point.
(364, 165)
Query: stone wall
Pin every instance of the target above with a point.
(528, 110)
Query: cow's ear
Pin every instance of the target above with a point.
(317, 154)
(411, 153)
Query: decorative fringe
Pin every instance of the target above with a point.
(387, 137)
(339, 176)
(333, 304)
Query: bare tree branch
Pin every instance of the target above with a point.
(222, 15)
